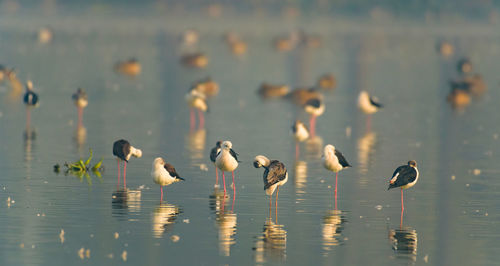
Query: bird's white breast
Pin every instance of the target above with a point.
(331, 162)
(225, 161)
(161, 176)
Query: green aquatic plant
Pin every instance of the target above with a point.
(80, 168)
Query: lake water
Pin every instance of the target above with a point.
(451, 215)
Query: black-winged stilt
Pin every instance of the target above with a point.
(196, 100)
(164, 174)
(369, 105)
(213, 156)
(81, 101)
(227, 160)
(274, 176)
(31, 100)
(300, 133)
(334, 160)
(123, 151)
(405, 176)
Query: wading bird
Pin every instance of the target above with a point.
(227, 160)
(300, 133)
(405, 176)
(274, 176)
(123, 151)
(213, 156)
(81, 101)
(164, 174)
(334, 161)
(369, 105)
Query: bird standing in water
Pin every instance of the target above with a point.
(405, 176)
(300, 133)
(368, 105)
(227, 160)
(31, 100)
(164, 174)
(213, 156)
(196, 100)
(81, 101)
(274, 176)
(123, 151)
(334, 160)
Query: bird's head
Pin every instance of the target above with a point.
(329, 149)
(260, 160)
(158, 162)
(412, 163)
(227, 145)
(29, 85)
(218, 144)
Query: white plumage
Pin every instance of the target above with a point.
(225, 160)
(366, 104)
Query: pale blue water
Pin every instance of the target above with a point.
(447, 221)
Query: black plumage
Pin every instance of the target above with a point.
(315, 102)
(121, 148)
(215, 151)
(274, 173)
(234, 154)
(171, 170)
(374, 101)
(342, 159)
(407, 174)
(30, 98)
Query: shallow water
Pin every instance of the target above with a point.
(451, 216)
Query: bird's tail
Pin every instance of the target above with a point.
(178, 179)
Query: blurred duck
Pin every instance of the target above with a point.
(206, 86)
(227, 160)
(301, 96)
(196, 100)
(445, 48)
(464, 66)
(164, 174)
(267, 90)
(300, 133)
(275, 175)
(213, 156)
(45, 35)
(458, 98)
(287, 43)
(237, 45)
(190, 37)
(473, 84)
(131, 67)
(81, 101)
(314, 107)
(327, 82)
(195, 60)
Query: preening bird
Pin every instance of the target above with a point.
(334, 160)
(213, 156)
(164, 174)
(123, 151)
(275, 175)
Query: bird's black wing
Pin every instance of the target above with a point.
(342, 159)
(374, 101)
(273, 174)
(121, 148)
(234, 154)
(213, 154)
(171, 170)
(407, 174)
(315, 102)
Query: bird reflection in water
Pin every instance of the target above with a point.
(125, 202)
(314, 147)
(80, 137)
(366, 149)
(195, 143)
(404, 242)
(300, 173)
(272, 243)
(332, 227)
(164, 216)
(226, 221)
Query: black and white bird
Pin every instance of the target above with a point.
(81, 101)
(30, 97)
(314, 107)
(227, 160)
(164, 174)
(123, 151)
(369, 105)
(213, 156)
(334, 160)
(300, 133)
(196, 100)
(274, 176)
(405, 176)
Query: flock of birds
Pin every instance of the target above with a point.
(311, 101)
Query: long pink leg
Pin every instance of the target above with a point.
(217, 176)
(270, 201)
(234, 185)
(312, 125)
(296, 150)
(191, 119)
(336, 177)
(224, 181)
(118, 184)
(276, 203)
(125, 175)
(402, 209)
(161, 191)
(232, 206)
(201, 118)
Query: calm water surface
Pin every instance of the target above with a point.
(452, 215)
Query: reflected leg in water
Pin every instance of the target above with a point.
(161, 193)
(312, 125)
(125, 175)
(28, 118)
(224, 181)
(80, 116)
(232, 206)
(270, 204)
(296, 150)
(216, 177)
(276, 203)
(368, 123)
(402, 209)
